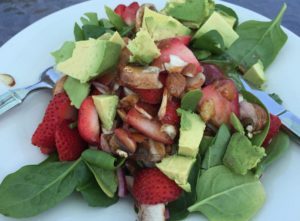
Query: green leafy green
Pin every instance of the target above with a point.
(217, 148)
(276, 98)
(201, 54)
(106, 179)
(227, 12)
(241, 155)
(115, 19)
(102, 159)
(94, 196)
(76, 91)
(259, 138)
(91, 19)
(211, 41)
(274, 151)
(205, 144)
(64, 52)
(190, 100)
(92, 31)
(225, 196)
(258, 41)
(78, 33)
(36, 188)
(236, 123)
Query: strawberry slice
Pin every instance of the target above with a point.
(88, 122)
(151, 186)
(275, 124)
(171, 116)
(175, 46)
(127, 13)
(150, 96)
(150, 128)
(58, 109)
(218, 101)
(185, 39)
(69, 144)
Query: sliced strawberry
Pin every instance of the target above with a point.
(212, 73)
(171, 116)
(175, 46)
(185, 39)
(151, 186)
(58, 110)
(69, 144)
(129, 14)
(151, 96)
(88, 122)
(275, 124)
(120, 9)
(150, 128)
(218, 101)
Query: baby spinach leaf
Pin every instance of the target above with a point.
(90, 19)
(92, 31)
(241, 155)
(36, 188)
(205, 143)
(225, 196)
(228, 12)
(274, 151)
(216, 150)
(102, 159)
(201, 54)
(106, 179)
(115, 19)
(259, 138)
(211, 41)
(76, 91)
(236, 123)
(190, 100)
(258, 41)
(78, 33)
(235, 76)
(276, 98)
(94, 196)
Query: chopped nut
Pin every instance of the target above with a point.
(195, 82)
(143, 112)
(7, 79)
(190, 70)
(128, 102)
(176, 65)
(121, 153)
(59, 86)
(163, 106)
(207, 110)
(176, 84)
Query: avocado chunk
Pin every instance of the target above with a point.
(241, 155)
(255, 75)
(162, 26)
(217, 22)
(116, 38)
(191, 133)
(64, 53)
(143, 48)
(229, 19)
(106, 106)
(191, 12)
(177, 168)
(90, 58)
(105, 36)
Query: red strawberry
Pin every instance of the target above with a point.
(88, 122)
(150, 128)
(175, 46)
(275, 124)
(218, 101)
(151, 96)
(120, 9)
(151, 186)
(185, 39)
(58, 109)
(171, 116)
(69, 144)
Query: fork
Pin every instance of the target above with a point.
(15, 97)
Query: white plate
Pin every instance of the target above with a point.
(27, 54)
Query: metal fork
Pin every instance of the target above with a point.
(12, 98)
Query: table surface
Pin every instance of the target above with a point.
(15, 15)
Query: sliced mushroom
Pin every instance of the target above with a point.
(141, 77)
(196, 82)
(59, 86)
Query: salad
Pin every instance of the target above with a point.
(150, 105)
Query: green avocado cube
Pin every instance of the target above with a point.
(255, 75)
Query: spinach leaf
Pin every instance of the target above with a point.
(211, 41)
(227, 12)
(241, 155)
(64, 52)
(36, 188)
(275, 150)
(76, 91)
(102, 159)
(106, 179)
(258, 41)
(236, 123)
(259, 138)
(235, 76)
(205, 144)
(225, 196)
(51, 158)
(78, 33)
(92, 31)
(91, 19)
(276, 98)
(190, 100)
(201, 54)
(115, 19)
(216, 150)
(94, 196)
